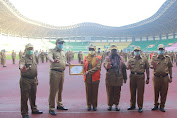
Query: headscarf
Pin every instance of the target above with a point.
(115, 62)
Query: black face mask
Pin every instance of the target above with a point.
(114, 52)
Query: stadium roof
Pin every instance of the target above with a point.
(163, 22)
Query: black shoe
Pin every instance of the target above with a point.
(94, 109)
(162, 109)
(88, 108)
(61, 108)
(117, 109)
(131, 108)
(37, 112)
(109, 108)
(140, 110)
(26, 116)
(4, 66)
(155, 108)
(52, 112)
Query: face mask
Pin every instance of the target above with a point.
(114, 52)
(29, 52)
(92, 52)
(60, 46)
(160, 52)
(137, 53)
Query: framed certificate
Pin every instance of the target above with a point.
(76, 69)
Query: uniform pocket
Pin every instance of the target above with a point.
(142, 64)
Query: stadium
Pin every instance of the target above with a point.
(17, 30)
(160, 27)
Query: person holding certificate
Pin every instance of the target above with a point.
(92, 66)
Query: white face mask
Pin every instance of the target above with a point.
(92, 52)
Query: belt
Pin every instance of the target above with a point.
(137, 73)
(57, 70)
(160, 75)
(26, 77)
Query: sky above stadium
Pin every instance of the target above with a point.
(106, 12)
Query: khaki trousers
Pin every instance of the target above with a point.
(3, 62)
(56, 88)
(37, 60)
(13, 59)
(42, 59)
(137, 85)
(28, 88)
(113, 95)
(92, 94)
(160, 87)
(46, 59)
(79, 60)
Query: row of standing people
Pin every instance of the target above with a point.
(38, 56)
(127, 55)
(115, 76)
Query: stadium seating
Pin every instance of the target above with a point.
(152, 45)
(18, 44)
(122, 45)
(75, 46)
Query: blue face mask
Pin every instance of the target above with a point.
(60, 46)
(29, 52)
(161, 52)
(137, 53)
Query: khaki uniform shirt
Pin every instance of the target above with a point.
(163, 64)
(60, 55)
(31, 64)
(80, 55)
(20, 54)
(13, 54)
(138, 65)
(3, 55)
(42, 54)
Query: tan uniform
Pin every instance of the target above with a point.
(90, 85)
(13, 57)
(176, 58)
(56, 77)
(114, 82)
(80, 56)
(129, 55)
(69, 56)
(72, 52)
(28, 84)
(3, 58)
(36, 57)
(42, 56)
(161, 78)
(172, 57)
(125, 57)
(20, 55)
(46, 53)
(137, 79)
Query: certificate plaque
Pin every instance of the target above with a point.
(76, 69)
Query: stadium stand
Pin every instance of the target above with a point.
(152, 45)
(18, 44)
(74, 46)
(121, 45)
